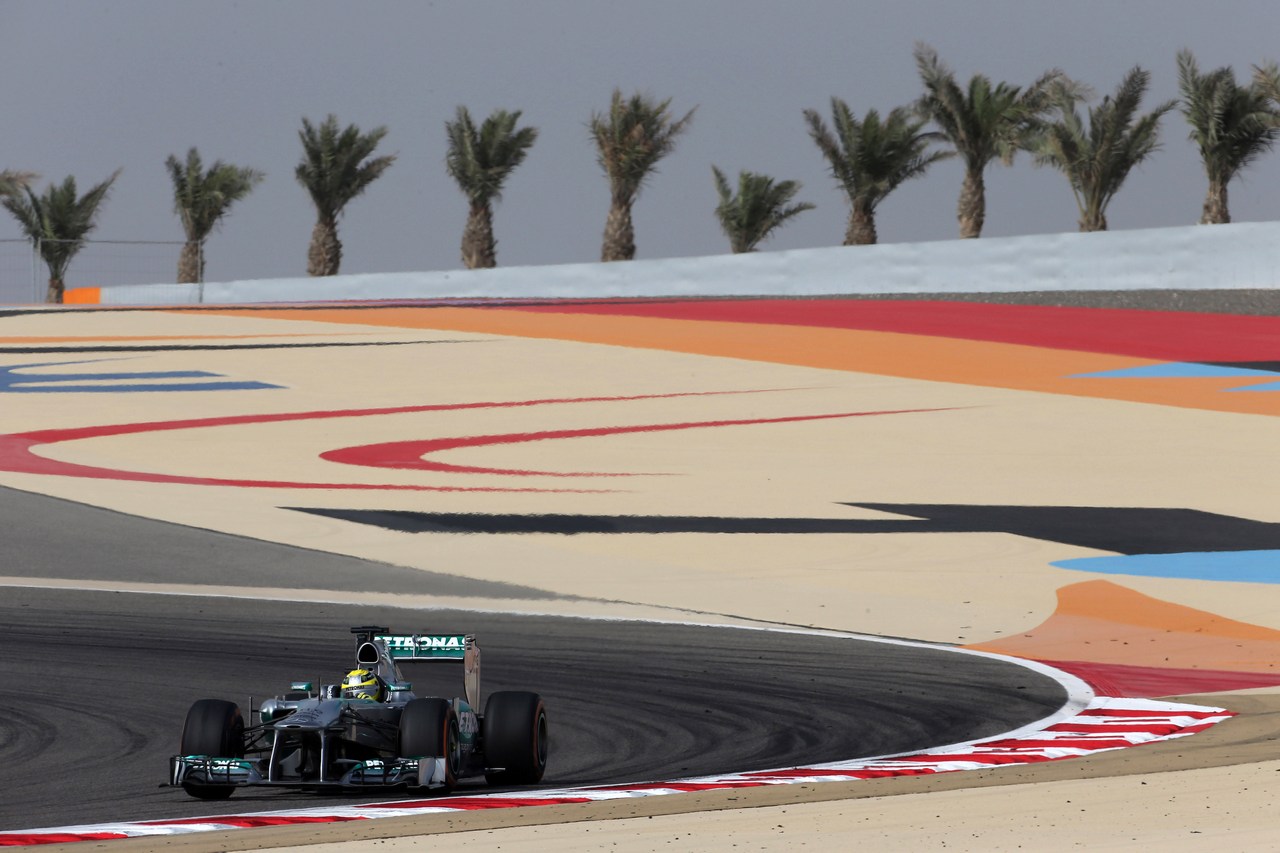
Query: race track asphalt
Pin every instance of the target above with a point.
(47, 537)
(98, 683)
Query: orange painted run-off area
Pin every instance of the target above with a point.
(82, 296)
(1104, 622)
(917, 356)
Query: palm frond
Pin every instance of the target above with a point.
(1266, 78)
(1097, 158)
(338, 163)
(58, 221)
(1231, 124)
(481, 159)
(871, 157)
(631, 138)
(760, 206)
(986, 121)
(202, 197)
(12, 183)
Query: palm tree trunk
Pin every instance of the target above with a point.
(324, 257)
(191, 263)
(619, 234)
(57, 287)
(1216, 211)
(972, 209)
(479, 248)
(1093, 220)
(862, 227)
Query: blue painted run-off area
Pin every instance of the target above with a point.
(1241, 566)
(12, 382)
(1190, 370)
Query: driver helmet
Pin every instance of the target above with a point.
(363, 684)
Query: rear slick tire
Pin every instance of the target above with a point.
(514, 731)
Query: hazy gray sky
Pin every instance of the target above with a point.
(90, 87)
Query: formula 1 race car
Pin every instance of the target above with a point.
(334, 738)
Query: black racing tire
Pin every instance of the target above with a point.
(214, 727)
(429, 729)
(514, 732)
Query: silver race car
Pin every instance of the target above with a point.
(372, 731)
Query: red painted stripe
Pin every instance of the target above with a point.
(17, 450)
(1164, 335)
(408, 454)
(1152, 728)
(685, 787)
(904, 771)
(16, 455)
(994, 759)
(806, 772)
(252, 821)
(1148, 714)
(865, 773)
(479, 803)
(27, 839)
(1128, 681)
(50, 436)
(1067, 743)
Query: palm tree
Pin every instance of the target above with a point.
(57, 222)
(1097, 159)
(870, 158)
(759, 208)
(985, 122)
(337, 165)
(201, 198)
(1232, 125)
(480, 161)
(630, 140)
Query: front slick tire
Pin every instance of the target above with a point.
(214, 728)
(515, 738)
(429, 729)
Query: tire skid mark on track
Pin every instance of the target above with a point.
(1085, 724)
(1105, 724)
(865, 699)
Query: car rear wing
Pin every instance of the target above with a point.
(427, 647)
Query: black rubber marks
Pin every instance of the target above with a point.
(1118, 529)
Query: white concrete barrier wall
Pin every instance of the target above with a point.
(151, 294)
(1199, 257)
